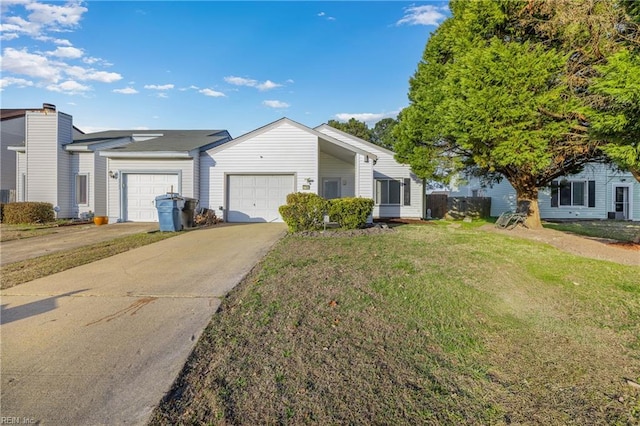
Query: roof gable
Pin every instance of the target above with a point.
(285, 120)
(355, 138)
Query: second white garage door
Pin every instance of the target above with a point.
(141, 191)
(256, 198)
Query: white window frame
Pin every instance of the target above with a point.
(76, 189)
(401, 194)
(570, 183)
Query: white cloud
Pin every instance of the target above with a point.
(367, 117)
(12, 81)
(212, 93)
(163, 95)
(126, 91)
(240, 81)
(324, 15)
(33, 65)
(275, 104)
(157, 87)
(69, 87)
(62, 42)
(249, 82)
(67, 52)
(42, 18)
(267, 85)
(289, 81)
(423, 15)
(192, 87)
(91, 74)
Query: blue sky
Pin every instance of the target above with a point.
(213, 65)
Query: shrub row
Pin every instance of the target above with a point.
(305, 211)
(27, 212)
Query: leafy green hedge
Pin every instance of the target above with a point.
(305, 211)
(350, 213)
(28, 212)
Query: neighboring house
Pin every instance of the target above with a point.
(598, 192)
(42, 169)
(119, 173)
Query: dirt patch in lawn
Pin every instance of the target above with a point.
(594, 248)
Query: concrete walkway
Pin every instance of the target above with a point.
(103, 343)
(68, 237)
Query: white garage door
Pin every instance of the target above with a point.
(141, 191)
(256, 198)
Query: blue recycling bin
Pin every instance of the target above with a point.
(169, 208)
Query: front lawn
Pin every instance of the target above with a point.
(424, 325)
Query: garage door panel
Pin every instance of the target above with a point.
(141, 190)
(256, 198)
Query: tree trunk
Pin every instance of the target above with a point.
(531, 208)
(527, 194)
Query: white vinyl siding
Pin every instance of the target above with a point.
(332, 167)
(123, 166)
(386, 167)
(21, 176)
(42, 157)
(65, 176)
(100, 176)
(284, 149)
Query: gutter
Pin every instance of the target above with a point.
(145, 154)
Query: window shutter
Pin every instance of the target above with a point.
(554, 193)
(407, 192)
(592, 193)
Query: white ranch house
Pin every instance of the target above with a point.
(119, 173)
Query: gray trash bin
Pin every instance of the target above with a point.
(169, 207)
(189, 212)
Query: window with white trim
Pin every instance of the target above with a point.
(573, 193)
(82, 189)
(394, 192)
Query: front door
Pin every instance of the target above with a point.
(331, 188)
(621, 202)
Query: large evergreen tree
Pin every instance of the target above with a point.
(503, 91)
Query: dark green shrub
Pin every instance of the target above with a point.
(304, 211)
(1, 212)
(28, 212)
(350, 213)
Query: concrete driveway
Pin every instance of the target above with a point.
(103, 343)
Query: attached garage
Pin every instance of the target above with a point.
(140, 191)
(256, 198)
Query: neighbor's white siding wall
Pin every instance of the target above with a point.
(123, 165)
(100, 176)
(82, 163)
(284, 149)
(615, 177)
(66, 179)
(387, 167)
(12, 135)
(21, 171)
(332, 167)
(42, 157)
(595, 172)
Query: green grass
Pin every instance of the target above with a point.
(614, 230)
(425, 325)
(31, 269)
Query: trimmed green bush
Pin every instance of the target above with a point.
(28, 212)
(350, 213)
(304, 211)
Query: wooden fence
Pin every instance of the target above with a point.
(441, 205)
